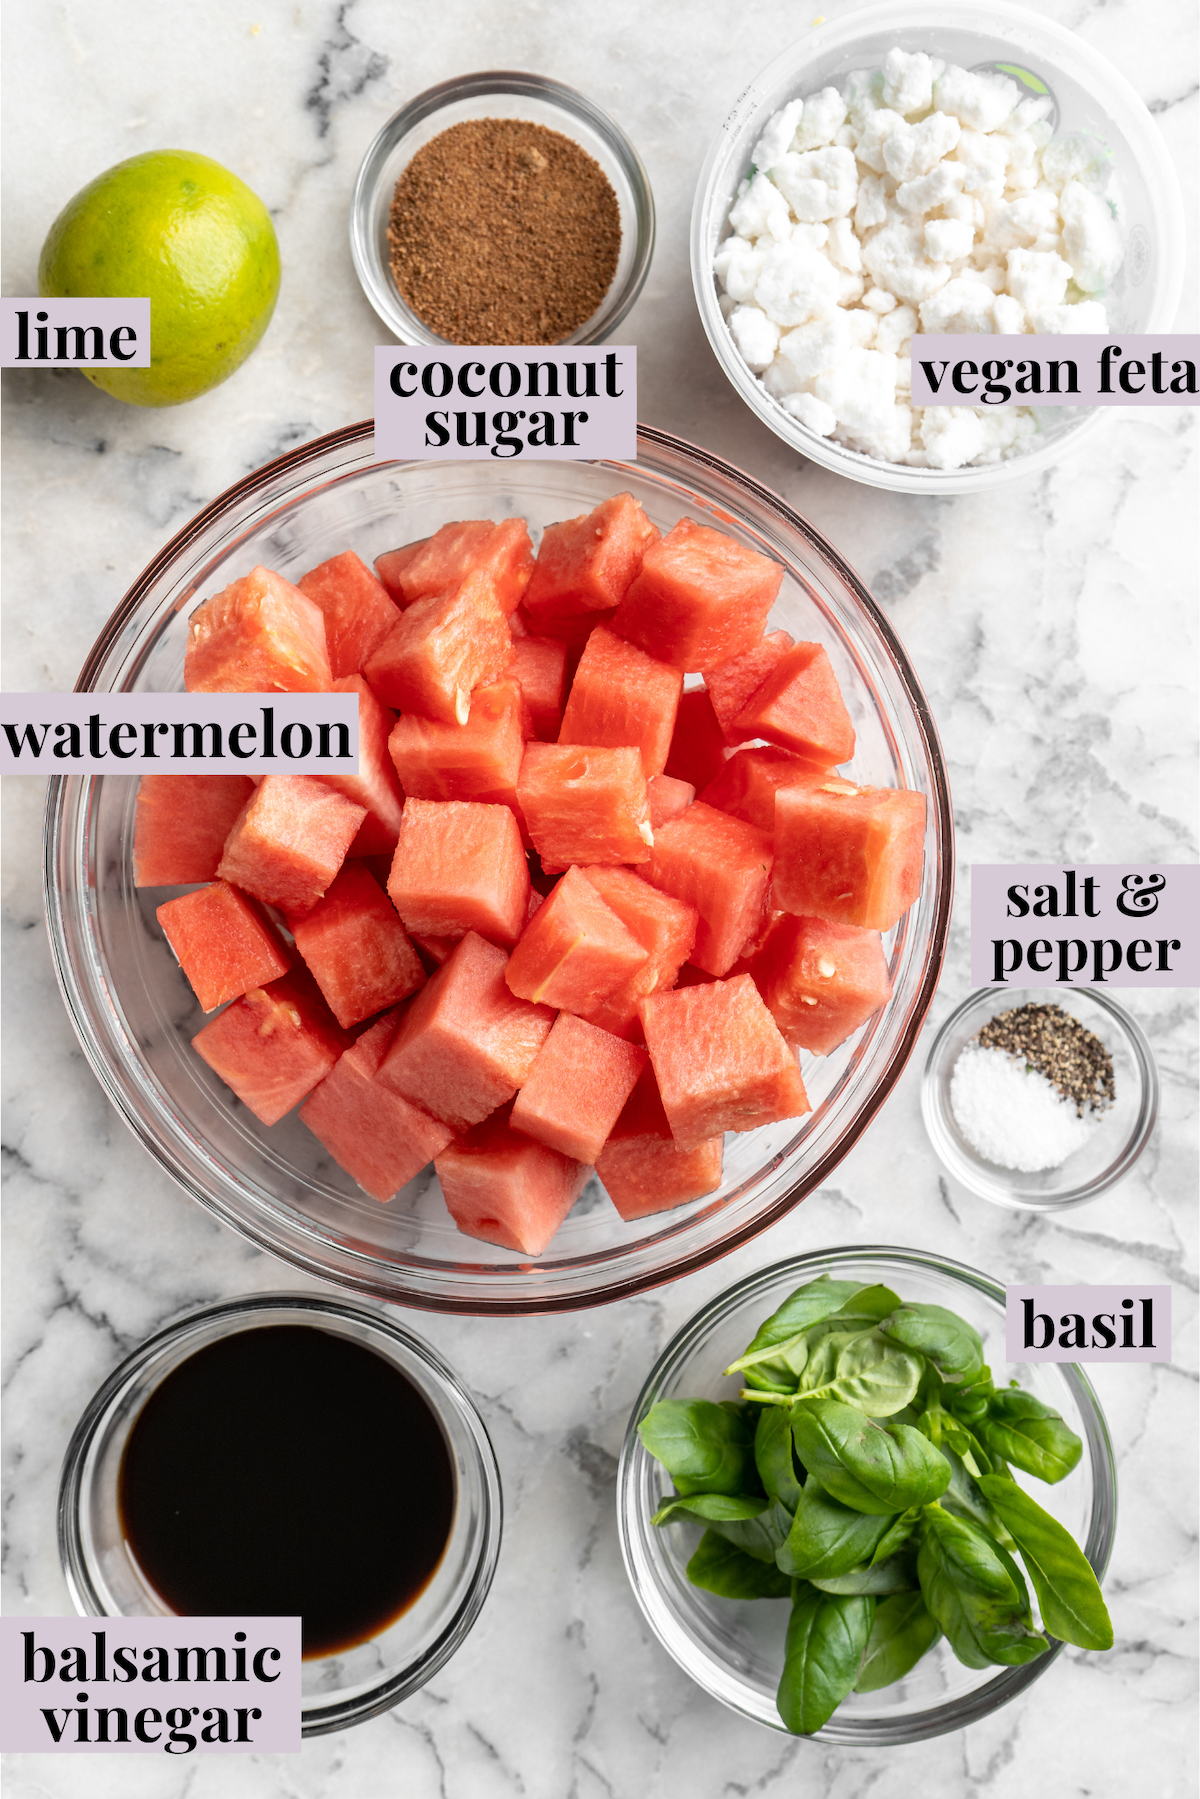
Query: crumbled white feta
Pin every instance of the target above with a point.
(895, 255)
(1008, 315)
(927, 192)
(980, 102)
(952, 436)
(872, 207)
(817, 184)
(755, 335)
(948, 240)
(811, 412)
(812, 348)
(760, 210)
(738, 265)
(777, 135)
(984, 161)
(908, 81)
(1086, 316)
(1037, 278)
(797, 283)
(824, 115)
(844, 246)
(1090, 237)
(915, 149)
(879, 300)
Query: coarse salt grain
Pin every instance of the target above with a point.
(1011, 1115)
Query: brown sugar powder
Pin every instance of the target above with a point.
(503, 232)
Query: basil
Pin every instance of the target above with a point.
(873, 1467)
(826, 1637)
(1019, 1429)
(705, 1447)
(902, 1630)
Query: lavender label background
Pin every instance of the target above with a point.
(20, 712)
(22, 1702)
(1088, 1303)
(1175, 915)
(110, 315)
(401, 428)
(1086, 352)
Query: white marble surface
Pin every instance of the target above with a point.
(1053, 625)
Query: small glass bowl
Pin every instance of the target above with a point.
(1120, 1134)
(734, 1649)
(1090, 96)
(105, 1581)
(499, 94)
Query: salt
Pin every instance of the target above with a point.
(1012, 1115)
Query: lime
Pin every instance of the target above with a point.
(182, 230)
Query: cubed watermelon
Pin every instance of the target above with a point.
(732, 684)
(439, 651)
(380, 1139)
(719, 1059)
(799, 706)
(459, 867)
(375, 786)
(356, 948)
(668, 798)
(223, 941)
(498, 556)
(258, 635)
(575, 949)
(666, 930)
(622, 696)
(504, 1188)
(466, 1042)
(290, 841)
(821, 980)
(181, 824)
(357, 611)
(722, 867)
(587, 564)
(273, 1045)
(643, 1168)
(576, 1088)
(585, 804)
(480, 760)
(698, 747)
(852, 857)
(748, 782)
(539, 665)
(699, 598)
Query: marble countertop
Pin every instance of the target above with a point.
(1053, 625)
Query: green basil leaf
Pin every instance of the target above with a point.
(705, 1445)
(872, 1374)
(1019, 1429)
(774, 1457)
(953, 1346)
(827, 1634)
(969, 1588)
(898, 1533)
(1068, 1592)
(897, 1575)
(963, 1495)
(725, 1507)
(719, 1567)
(805, 1307)
(901, 1633)
(762, 1537)
(776, 1368)
(876, 1468)
(828, 1538)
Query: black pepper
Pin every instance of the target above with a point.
(1056, 1045)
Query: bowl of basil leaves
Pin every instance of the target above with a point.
(825, 1500)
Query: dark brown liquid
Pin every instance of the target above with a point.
(285, 1470)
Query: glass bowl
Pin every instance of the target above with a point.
(336, 1690)
(1090, 97)
(499, 95)
(734, 1649)
(135, 1013)
(1120, 1134)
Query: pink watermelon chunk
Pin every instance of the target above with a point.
(622, 696)
(259, 635)
(480, 760)
(668, 798)
(574, 950)
(800, 707)
(459, 867)
(378, 1138)
(357, 611)
(576, 1088)
(722, 867)
(854, 858)
(356, 948)
(504, 1188)
(720, 1062)
(290, 841)
(391, 567)
(585, 803)
(466, 1042)
(273, 1045)
(747, 785)
(586, 564)
(181, 825)
(497, 556)
(223, 941)
(698, 747)
(734, 683)
(821, 980)
(439, 651)
(375, 786)
(699, 598)
(643, 1168)
(539, 665)
(666, 930)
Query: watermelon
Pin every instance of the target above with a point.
(699, 598)
(853, 857)
(698, 747)
(720, 1061)
(375, 786)
(576, 1088)
(585, 803)
(722, 867)
(223, 941)
(539, 666)
(503, 1187)
(622, 696)
(799, 706)
(439, 651)
(643, 1168)
(575, 949)
(273, 1045)
(498, 557)
(258, 635)
(748, 782)
(290, 841)
(732, 684)
(459, 867)
(587, 564)
(356, 948)
(666, 930)
(820, 980)
(355, 605)
(181, 824)
(668, 798)
(466, 1042)
(380, 1139)
(480, 760)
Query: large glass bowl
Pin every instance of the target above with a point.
(354, 1684)
(1090, 97)
(733, 1649)
(135, 1013)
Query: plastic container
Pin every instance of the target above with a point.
(336, 1690)
(734, 1650)
(499, 95)
(1090, 97)
(1120, 1135)
(136, 1015)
